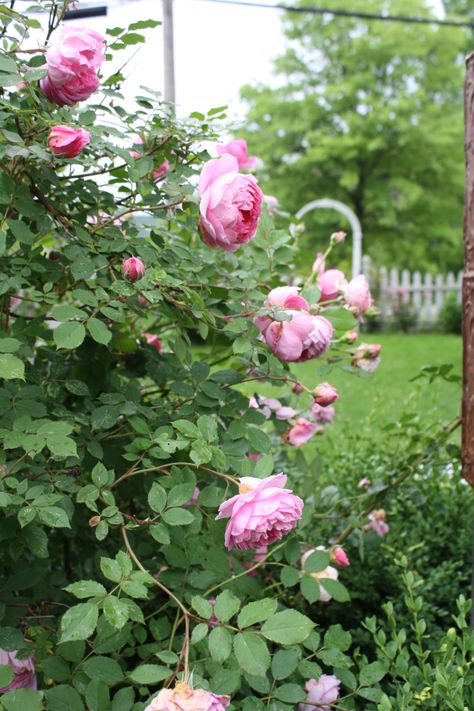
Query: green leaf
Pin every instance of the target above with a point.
(288, 627)
(257, 611)
(22, 700)
(316, 562)
(178, 517)
(309, 588)
(54, 516)
(199, 632)
(9, 345)
(69, 335)
(116, 611)
(111, 569)
(66, 312)
(11, 639)
(252, 653)
(203, 607)
(134, 589)
(264, 467)
(56, 668)
(103, 668)
(86, 588)
(227, 605)
(79, 622)
(149, 674)
(6, 675)
(284, 663)
(372, 673)
(157, 498)
(11, 367)
(97, 695)
(99, 331)
(187, 428)
(335, 589)
(21, 231)
(220, 644)
(208, 427)
(290, 693)
(180, 494)
(290, 576)
(63, 698)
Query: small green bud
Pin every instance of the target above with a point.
(451, 634)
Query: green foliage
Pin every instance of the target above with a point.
(450, 316)
(370, 113)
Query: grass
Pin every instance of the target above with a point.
(388, 393)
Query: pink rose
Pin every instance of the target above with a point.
(285, 413)
(322, 415)
(238, 149)
(67, 142)
(367, 356)
(302, 337)
(357, 295)
(184, 698)
(331, 284)
(337, 237)
(319, 264)
(351, 336)
(377, 523)
(262, 512)
(328, 573)
(133, 268)
(339, 556)
(72, 66)
(153, 340)
(23, 669)
(301, 432)
(322, 693)
(325, 394)
(230, 204)
(271, 202)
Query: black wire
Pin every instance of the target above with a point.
(351, 13)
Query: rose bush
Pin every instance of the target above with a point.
(125, 428)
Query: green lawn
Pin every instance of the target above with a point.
(388, 393)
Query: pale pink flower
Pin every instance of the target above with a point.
(23, 669)
(133, 268)
(357, 295)
(153, 340)
(367, 356)
(238, 149)
(329, 572)
(262, 512)
(351, 336)
(364, 483)
(331, 284)
(72, 65)
(301, 432)
(185, 698)
(301, 338)
(338, 237)
(377, 523)
(322, 415)
(271, 202)
(231, 204)
(285, 413)
(67, 142)
(322, 693)
(325, 394)
(339, 556)
(319, 264)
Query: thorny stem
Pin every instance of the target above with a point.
(166, 467)
(172, 596)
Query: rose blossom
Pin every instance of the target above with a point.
(338, 237)
(72, 66)
(153, 340)
(322, 415)
(262, 512)
(133, 268)
(23, 669)
(238, 149)
(328, 572)
(301, 432)
(331, 284)
(364, 483)
(351, 336)
(67, 142)
(285, 413)
(357, 295)
(377, 523)
(271, 202)
(185, 698)
(325, 394)
(231, 204)
(339, 556)
(322, 693)
(302, 337)
(319, 264)
(367, 356)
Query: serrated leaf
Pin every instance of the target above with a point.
(11, 367)
(69, 335)
(288, 627)
(252, 653)
(257, 611)
(79, 622)
(149, 674)
(226, 606)
(86, 588)
(99, 331)
(157, 498)
(220, 644)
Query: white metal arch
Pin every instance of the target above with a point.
(353, 221)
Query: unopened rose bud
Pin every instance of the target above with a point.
(297, 388)
(153, 340)
(133, 268)
(325, 394)
(337, 237)
(339, 556)
(319, 264)
(94, 521)
(351, 336)
(364, 483)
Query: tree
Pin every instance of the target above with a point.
(369, 113)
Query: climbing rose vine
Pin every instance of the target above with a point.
(160, 538)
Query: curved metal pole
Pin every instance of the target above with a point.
(353, 221)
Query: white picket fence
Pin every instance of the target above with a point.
(424, 293)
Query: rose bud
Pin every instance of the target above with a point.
(94, 521)
(262, 512)
(338, 237)
(322, 693)
(351, 336)
(184, 698)
(331, 284)
(325, 394)
(357, 295)
(133, 268)
(153, 340)
(339, 556)
(297, 388)
(67, 142)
